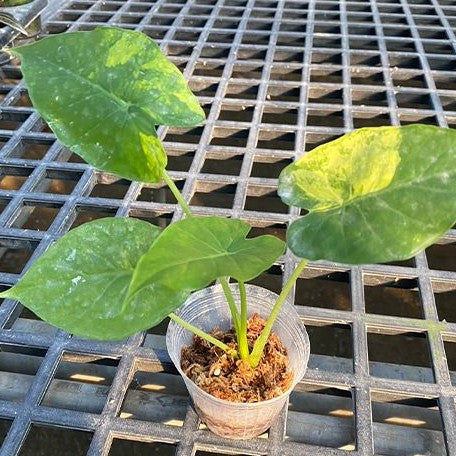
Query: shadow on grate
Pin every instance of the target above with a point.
(392, 296)
(158, 396)
(331, 346)
(445, 296)
(406, 425)
(411, 362)
(329, 290)
(45, 440)
(313, 408)
(81, 383)
(121, 447)
(14, 254)
(18, 366)
(450, 351)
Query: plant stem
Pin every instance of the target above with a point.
(203, 335)
(231, 304)
(260, 343)
(175, 191)
(226, 289)
(243, 346)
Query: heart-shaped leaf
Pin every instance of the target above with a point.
(190, 254)
(79, 284)
(102, 93)
(374, 195)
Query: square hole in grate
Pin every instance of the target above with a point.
(242, 91)
(362, 59)
(4, 428)
(3, 203)
(115, 190)
(405, 425)
(236, 113)
(229, 137)
(448, 103)
(179, 160)
(12, 120)
(399, 356)
(223, 165)
(287, 56)
(278, 115)
(278, 230)
(59, 182)
(14, 254)
(264, 199)
(47, 440)
(81, 383)
(314, 140)
(84, 214)
(36, 216)
(325, 118)
(121, 447)
(11, 75)
(294, 41)
(329, 290)
(371, 76)
(326, 57)
(280, 72)
(413, 100)
(411, 117)
(322, 74)
(251, 54)
(314, 408)
(156, 395)
(276, 139)
(12, 178)
(407, 79)
(158, 219)
(392, 296)
(221, 37)
(450, 350)
(445, 297)
(442, 63)
(444, 81)
(159, 193)
(369, 97)
(226, 23)
(213, 52)
(187, 35)
(437, 47)
(213, 194)
(31, 149)
(245, 70)
(363, 43)
(325, 94)
(259, 25)
(370, 119)
(280, 92)
(269, 167)
(400, 46)
(330, 346)
(18, 367)
(270, 279)
(182, 135)
(207, 453)
(209, 69)
(203, 88)
(442, 256)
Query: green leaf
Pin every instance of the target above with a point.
(192, 253)
(375, 195)
(102, 93)
(80, 282)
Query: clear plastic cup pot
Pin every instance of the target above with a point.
(207, 309)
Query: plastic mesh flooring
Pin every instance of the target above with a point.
(276, 78)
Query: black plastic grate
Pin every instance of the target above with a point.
(276, 78)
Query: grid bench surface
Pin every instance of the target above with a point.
(276, 78)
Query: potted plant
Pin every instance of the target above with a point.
(374, 195)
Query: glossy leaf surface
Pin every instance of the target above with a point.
(102, 93)
(375, 195)
(79, 284)
(192, 253)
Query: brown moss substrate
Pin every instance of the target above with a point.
(234, 380)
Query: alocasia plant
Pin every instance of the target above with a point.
(374, 195)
